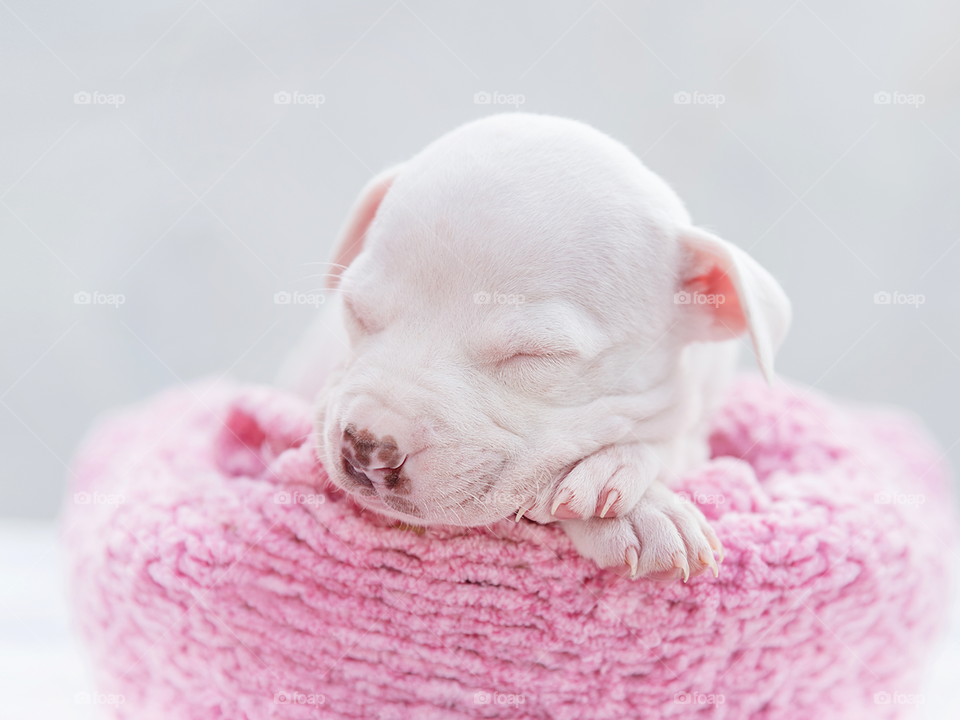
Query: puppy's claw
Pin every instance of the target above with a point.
(612, 497)
(680, 562)
(715, 544)
(707, 559)
(633, 560)
(563, 496)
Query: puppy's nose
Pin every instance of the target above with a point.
(370, 459)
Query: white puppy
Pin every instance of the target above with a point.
(528, 324)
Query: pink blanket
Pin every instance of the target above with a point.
(215, 574)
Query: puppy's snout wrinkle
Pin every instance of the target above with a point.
(352, 472)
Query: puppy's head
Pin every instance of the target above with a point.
(518, 296)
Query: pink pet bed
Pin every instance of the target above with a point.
(216, 574)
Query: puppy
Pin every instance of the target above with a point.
(526, 323)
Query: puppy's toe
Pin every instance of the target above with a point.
(680, 541)
(610, 542)
(606, 484)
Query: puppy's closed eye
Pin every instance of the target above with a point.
(543, 357)
(535, 349)
(534, 367)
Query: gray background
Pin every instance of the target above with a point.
(199, 197)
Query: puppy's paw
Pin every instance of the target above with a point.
(662, 538)
(608, 483)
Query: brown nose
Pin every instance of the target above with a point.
(371, 460)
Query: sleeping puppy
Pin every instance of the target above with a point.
(527, 324)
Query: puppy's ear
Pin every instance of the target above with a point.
(354, 230)
(725, 292)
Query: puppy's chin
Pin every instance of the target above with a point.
(415, 510)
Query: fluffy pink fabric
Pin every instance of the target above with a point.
(205, 593)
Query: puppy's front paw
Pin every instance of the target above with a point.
(608, 483)
(662, 538)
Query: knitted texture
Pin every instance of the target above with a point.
(216, 574)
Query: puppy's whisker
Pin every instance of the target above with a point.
(319, 275)
(456, 515)
(326, 262)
